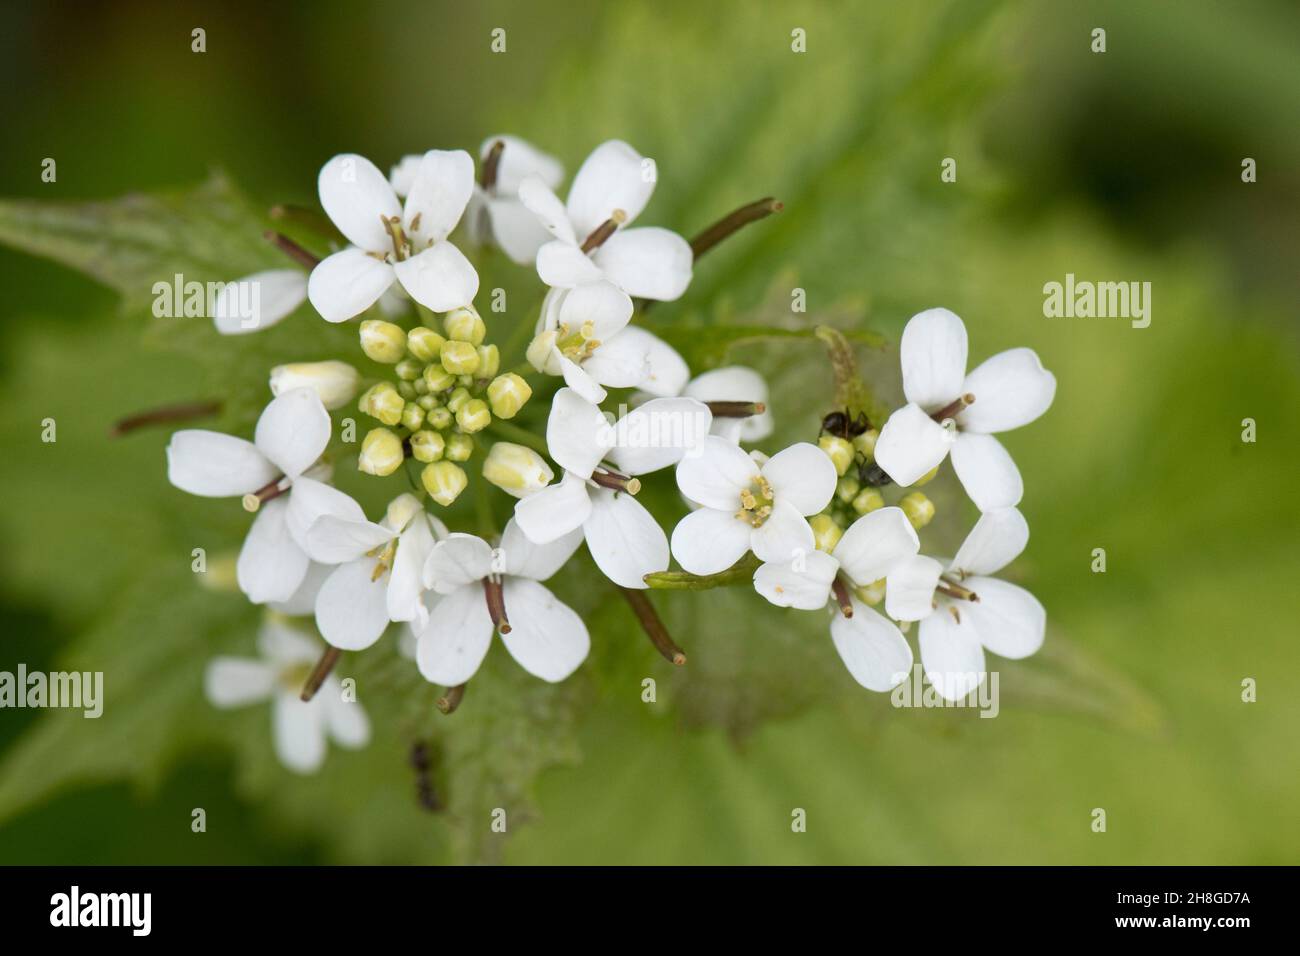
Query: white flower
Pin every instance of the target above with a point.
(301, 727)
(623, 538)
(963, 611)
(275, 293)
(486, 591)
(584, 335)
(378, 578)
(496, 214)
(335, 382)
(872, 648)
(734, 383)
(614, 183)
(747, 506)
(391, 241)
(271, 474)
(1008, 390)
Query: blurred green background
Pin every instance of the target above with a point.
(1117, 166)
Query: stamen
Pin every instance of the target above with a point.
(184, 412)
(320, 672)
(736, 409)
(841, 592)
(401, 247)
(256, 499)
(953, 407)
(604, 231)
(612, 479)
(491, 164)
(653, 626)
(496, 603)
(451, 699)
(956, 615)
(291, 249)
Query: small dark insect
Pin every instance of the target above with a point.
(842, 424)
(422, 760)
(869, 473)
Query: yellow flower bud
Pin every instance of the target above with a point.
(868, 499)
(381, 452)
(407, 391)
(516, 470)
(408, 369)
(412, 416)
(427, 446)
(489, 361)
(838, 450)
(473, 416)
(438, 379)
(465, 325)
(846, 488)
(439, 417)
(459, 358)
(872, 593)
(459, 447)
(383, 341)
(918, 508)
(382, 401)
(540, 352)
(826, 533)
(507, 394)
(427, 402)
(335, 382)
(456, 401)
(424, 343)
(444, 481)
(866, 443)
(926, 478)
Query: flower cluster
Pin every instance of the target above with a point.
(812, 514)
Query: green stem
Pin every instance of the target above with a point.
(519, 436)
(742, 572)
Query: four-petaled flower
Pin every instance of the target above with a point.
(390, 240)
(962, 610)
(1006, 391)
(495, 211)
(485, 591)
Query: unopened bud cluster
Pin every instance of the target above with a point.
(447, 389)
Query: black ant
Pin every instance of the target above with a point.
(842, 424)
(422, 760)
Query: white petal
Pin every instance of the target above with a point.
(734, 383)
(803, 476)
(909, 588)
(613, 177)
(577, 379)
(911, 444)
(516, 230)
(803, 582)
(538, 199)
(650, 263)
(438, 196)
(933, 355)
(298, 728)
(271, 566)
(566, 266)
(402, 176)
(452, 647)
(555, 511)
(874, 543)
(1011, 389)
(439, 278)
(619, 362)
(601, 304)
(215, 465)
(986, 471)
(310, 500)
(872, 648)
(996, 540)
(258, 301)
(357, 197)
(303, 600)
(1010, 621)
(665, 371)
(293, 430)
(546, 637)
(717, 475)
(524, 558)
(624, 540)
(345, 720)
(658, 434)
(352, 607)
(459, 560)
(519, 160)
(331, 539)
(285, 645)
(405, 581)
(951, 654)
(707, 541)
(236, 681)
(784, 536)
(578, 435)
(347, 283)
